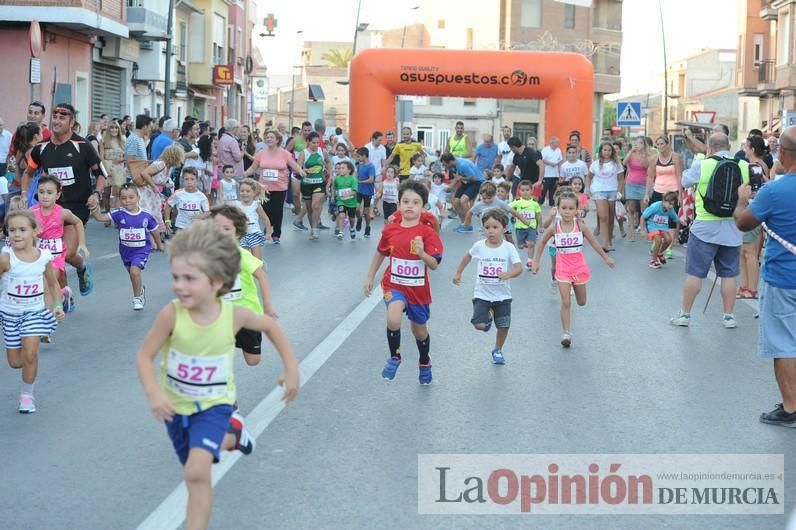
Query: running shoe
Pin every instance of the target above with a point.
(729, 321)
(497, 357)
(655, 263)
(314, 234)
(338, 234)
(424, 374)
(529, 264)
(681, 319)
(669, 253)
(244, 441)
(45, 339)
(27, 404)
(138, 303)
(779, 416)
(275, 240)
(298, 225)
(566, 340)
(69, 301)
(85, 280)
(359, 224)
(662, 259)
(322, 226)
(353, 234)
(554, 287)
(388, 374)
(461, 229)
(367, 232)
(289, 205)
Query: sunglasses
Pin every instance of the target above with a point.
(61, 111)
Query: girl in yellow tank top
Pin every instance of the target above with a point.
(196, 335)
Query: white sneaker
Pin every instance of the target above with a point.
(681, 319)
(245, 442)
(554, 287)
(27, 404)
(729, 322)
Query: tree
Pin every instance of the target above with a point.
(338, 58)
(609, 114)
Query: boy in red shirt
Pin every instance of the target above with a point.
(413, 247)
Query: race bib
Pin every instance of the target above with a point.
(190, 208)
(528, 216)
(271, 175)
(236, 293)
(197, 377)
(230, 196)
(660, 220)
(345, 193)
(25, 292)
(569, 243)
(55, 246)
(390, 193)
(132, 237)
(408, 272)
(64, 174)
(490, 270)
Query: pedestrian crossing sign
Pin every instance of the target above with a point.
(628, 113)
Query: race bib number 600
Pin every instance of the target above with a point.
(197, 377)
(409, 272)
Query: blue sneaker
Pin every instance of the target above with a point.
(425, 374)
(388, 374)
(85, 280)
(461, 229)
(497, 357)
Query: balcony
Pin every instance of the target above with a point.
(767, 12)
(181, 78)
(143, 22)
(90, 17)
(766, 77)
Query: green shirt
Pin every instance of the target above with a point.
(244, 292)
(345, 191)
(527, 208)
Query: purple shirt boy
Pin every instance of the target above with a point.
(134, 242)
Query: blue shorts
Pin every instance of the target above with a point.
(603, 196)
(205, 429)
(699, 255)
(777, 334)
(254, 239)
(634, 192)
(28, 324)
(417, 313)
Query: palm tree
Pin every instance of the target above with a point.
(338, 58)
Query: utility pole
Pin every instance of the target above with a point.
(169, 38)
(665, 77)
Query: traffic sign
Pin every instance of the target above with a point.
(628, 113)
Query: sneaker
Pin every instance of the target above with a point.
(778, 416)
(529, 264)
(359, 224)
(662, 259)
(566, 340)
(338, 234)
(45, 339)
(554, 287)
(85, 280)
(424, 374)
(353, 234)
(298, 225)
(497, 357)
(322, 226)
(314, 234)
(388, 374)
(68, 300)
(244, 441)
(27, 404)
(138, 303)
(669, 253)
(461, 229)
(681, 319)
(289, 205)
(729, 322)
(275, 240)
(655, 263)
(367, 231)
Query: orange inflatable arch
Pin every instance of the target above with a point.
(565, 80)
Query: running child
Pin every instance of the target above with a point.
(418, 169)
(412, 247)
(228, 186)
(497, 175)
(577, 184)
(26, 273)
(137, 229)
(504, 194)
(531, 213)
(435, 206)
(252, 196)
(573, 166)
(440, 189)
(498, 261)
(51, 219)
(389, 192)
(366, 189)
(195, 334)
(488, 194)
(233, 222)
(655, 225)
(345, 192)
(572, 271)
(191, 203)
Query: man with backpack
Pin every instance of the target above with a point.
(714, 238)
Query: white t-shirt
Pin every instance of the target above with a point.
(605, 178)
(3, 188)
(505, 153)
(377, 156)
(551, 155)
(490, 262)
(189, 205)
(416, 173)
(441, 191)
(577, 168)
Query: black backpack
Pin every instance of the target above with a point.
(722, 192)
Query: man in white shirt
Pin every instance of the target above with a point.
(377, 154)
(5, 145)
(505, 155)
(552, 159)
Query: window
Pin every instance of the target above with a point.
(219, 38)
(531, 14)
(435, 101)
(444, 134)
(783, 33)
(758, 49)
(230, 46)
(182, 36)
(569, 16)
(470, 102)
(425, 135)
(240, 49)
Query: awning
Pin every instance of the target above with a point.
(776, 125)
(201, 94)
(316, 93)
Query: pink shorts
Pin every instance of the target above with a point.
(572, 268)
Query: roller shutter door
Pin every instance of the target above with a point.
(106, 91)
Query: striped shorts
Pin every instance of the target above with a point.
(255, 239)
(29, 324)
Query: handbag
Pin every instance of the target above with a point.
(136, 167)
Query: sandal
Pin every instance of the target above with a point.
(746, 294)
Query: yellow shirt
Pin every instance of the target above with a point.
(405, 152)
(197, 367)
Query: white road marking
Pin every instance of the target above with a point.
(171, 512)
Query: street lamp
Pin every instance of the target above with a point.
(403, 37)
(361, 26)
(293, 91)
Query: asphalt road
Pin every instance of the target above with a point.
(344, 454)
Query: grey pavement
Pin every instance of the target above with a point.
(344, 454)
